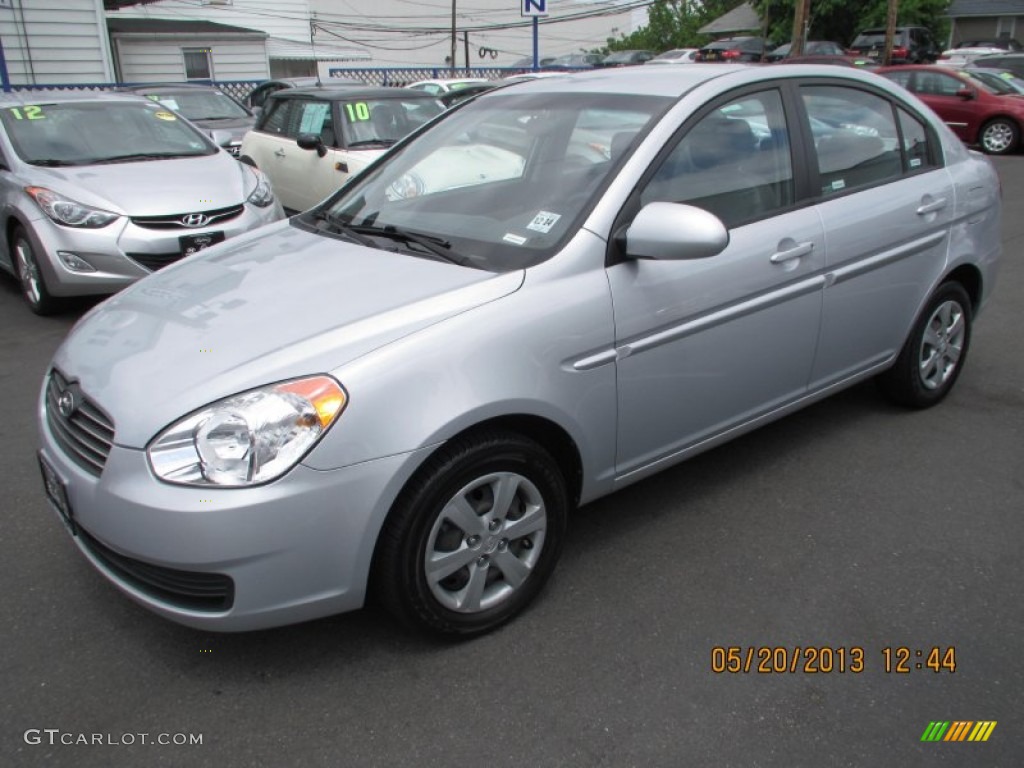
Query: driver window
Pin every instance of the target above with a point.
(734, 162)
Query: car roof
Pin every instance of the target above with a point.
(332, 93)
(676, 81)
(142, 87)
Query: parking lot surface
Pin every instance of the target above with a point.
(851, 526)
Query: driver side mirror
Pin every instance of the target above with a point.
(966, 94)
(675, 231)
(312, 141)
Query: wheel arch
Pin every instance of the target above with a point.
(969, 276)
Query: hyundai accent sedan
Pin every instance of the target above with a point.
(99, 190)
(407, 389)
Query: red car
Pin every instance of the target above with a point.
(982, 111)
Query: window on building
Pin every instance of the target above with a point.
(197, 63)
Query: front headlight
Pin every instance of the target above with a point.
(69, 212)
(263, 195)
(249, 438)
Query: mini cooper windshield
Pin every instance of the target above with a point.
(100, 132)
(499, 184)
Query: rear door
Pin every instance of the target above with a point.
(887, 204)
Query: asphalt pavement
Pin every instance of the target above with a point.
(851, 530)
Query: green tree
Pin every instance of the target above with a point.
(673, 24)
(841, 20)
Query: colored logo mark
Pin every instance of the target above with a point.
(958, 730)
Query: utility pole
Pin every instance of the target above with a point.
(454, 40)
(890, 31)
(803, 11)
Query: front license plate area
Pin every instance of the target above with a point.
(190, 244)
(57, 494)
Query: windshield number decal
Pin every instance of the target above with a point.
(30, 113)
(357, 112)
(544, 221)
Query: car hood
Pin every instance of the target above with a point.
(151, 187)
(266, 306)
(236, 126)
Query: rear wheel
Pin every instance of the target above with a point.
(29, 274)
(474, 536)
(934, 355)
(999, 136)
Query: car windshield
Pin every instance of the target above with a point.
(503, 181)
(201, 104)
(369, 122)
(1001, 83)
(86, 133)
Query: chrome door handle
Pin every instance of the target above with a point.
(793, 253)
(280, 153)
(932, 207)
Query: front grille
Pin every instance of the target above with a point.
(192, 590)
(87, 435)
(174, 220)
(154, 261)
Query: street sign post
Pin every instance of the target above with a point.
(536, 9)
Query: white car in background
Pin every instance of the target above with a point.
(310, 141)
(437, 87)
(676, 56)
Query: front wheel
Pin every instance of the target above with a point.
(474, 536)
(999, 136)
(934, 355)
(29, 274)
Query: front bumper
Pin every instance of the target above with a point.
(295, 549)
(124, 252)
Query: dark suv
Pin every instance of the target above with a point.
(910, 45)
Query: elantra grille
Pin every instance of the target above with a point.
(154, 261)
(187, 221)
(191, 590)
(82, 430)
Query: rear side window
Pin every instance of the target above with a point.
(275, 117)
(856, 140)
(915, 142)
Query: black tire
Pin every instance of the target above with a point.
(30, 275)
(474, 541)
(935, 353)
(999, 136)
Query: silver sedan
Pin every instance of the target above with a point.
(550, 293)
(99, 190)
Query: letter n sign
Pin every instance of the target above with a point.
(533, 7)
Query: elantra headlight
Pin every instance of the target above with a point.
(68, 212)
(263, 195)
(250, 438)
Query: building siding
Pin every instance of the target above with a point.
(144, 61)
(55, 41)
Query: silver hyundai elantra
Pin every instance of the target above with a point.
(99, 190)
(551, 292)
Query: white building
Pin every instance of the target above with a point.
(55, 41)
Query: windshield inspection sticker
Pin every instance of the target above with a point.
(544, 221)
(164, 116)
(514, 239)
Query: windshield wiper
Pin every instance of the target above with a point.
(343, 228)
(142, 156)
(367, 142)
(437, 246)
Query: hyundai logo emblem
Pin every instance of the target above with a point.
(67, 404)
(195, 219)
